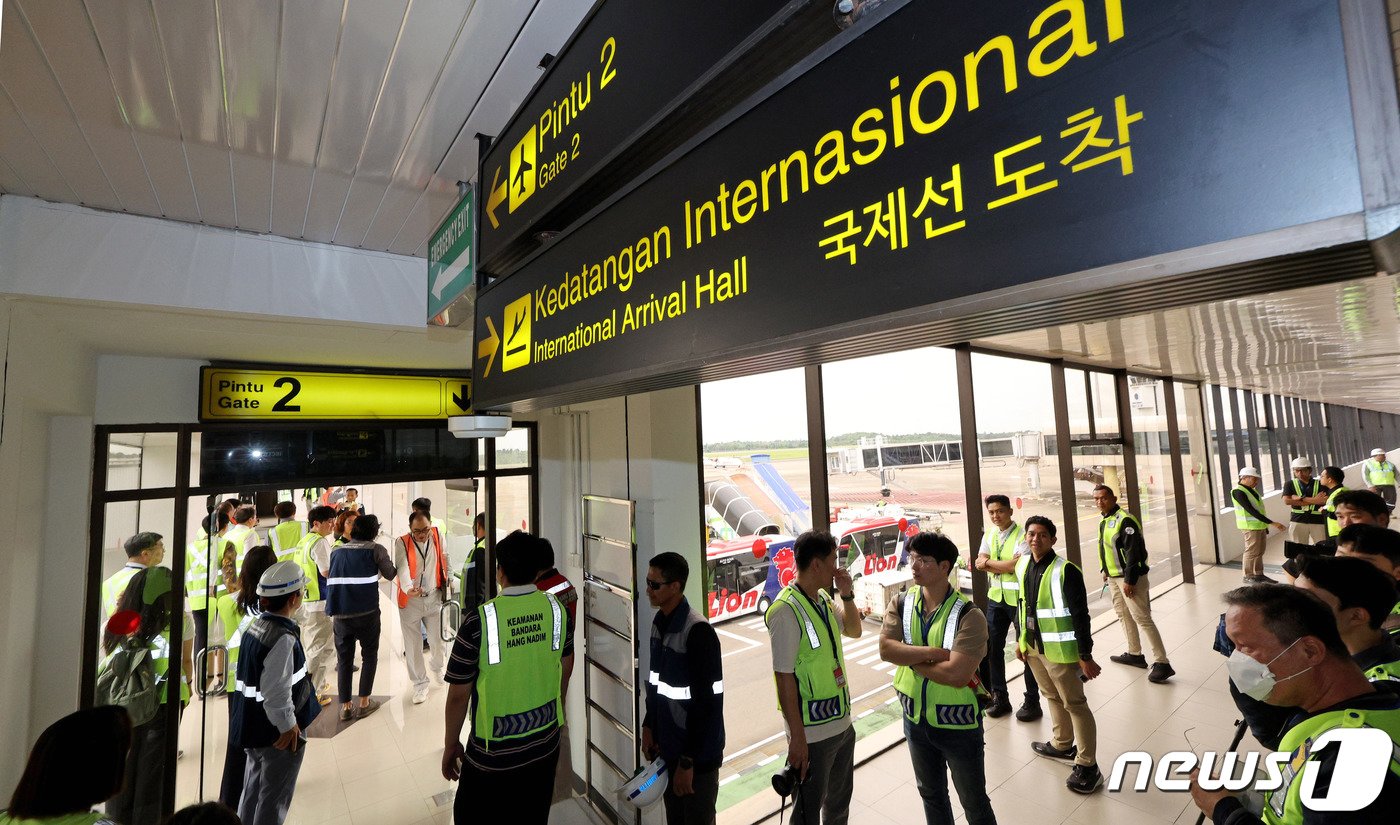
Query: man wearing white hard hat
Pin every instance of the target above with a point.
(1305, 498)
(1254, 524)
(1379, 473)
(274, 699)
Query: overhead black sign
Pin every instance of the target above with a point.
(945, 150)
(328, 455)
(624, 63)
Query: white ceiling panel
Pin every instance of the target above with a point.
(136, 72)
(26, 157)
(543, 33)
(45, 111)
(250, 63)
(343, 122)
(1336, 342)
(72, 53)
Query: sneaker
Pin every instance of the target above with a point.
(420, 694)
(999, 706)
(1029, 711)
(1047, 749)
(1084, 779)
(1161, 672)
(1259, 580)
(1132, 659)
(361, 711)
(346, 712)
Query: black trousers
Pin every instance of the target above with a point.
(526, 788)
(1001, 618)
(697, 808)
(364, 630)
(201, 640)
(235, 764)
(139, 801)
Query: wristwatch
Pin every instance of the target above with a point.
(685, 763)
(848, 597)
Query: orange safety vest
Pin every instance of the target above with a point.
(411, 551)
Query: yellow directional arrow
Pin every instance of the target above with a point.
(487, 349)
(495, 199)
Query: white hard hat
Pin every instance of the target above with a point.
(1378, 451)
(1301, 463)
(281, 578)
(646, 787)
(1250, 471)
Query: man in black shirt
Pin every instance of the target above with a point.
(1058, 649)
(685, 696)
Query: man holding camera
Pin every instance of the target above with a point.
(806, 627)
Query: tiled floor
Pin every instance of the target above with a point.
(384, 770)
(1132, 714)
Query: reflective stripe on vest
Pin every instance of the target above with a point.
(679, 693)
(518, 685)
(234, 642)
(1111, 560)
(1378, 473)
(1314, 487)
(559, 588)
(354, 579)
(1243, 519)
(1003, 587)
(115, 586)
(819, 658)
(285, 538)
(923, 700)
(1285, 805)
(1387, 672)
(1053, 618)
(302, 556)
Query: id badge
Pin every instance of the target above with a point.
(840, 676)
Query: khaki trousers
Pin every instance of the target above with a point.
(1301, 533)
(1071, 721)
(317, 638)
(1254, 541)
(1135, 614)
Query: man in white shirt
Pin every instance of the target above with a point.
(314, 552)
(418, 589)
(1001, 547)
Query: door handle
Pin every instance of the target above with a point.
(449, 617)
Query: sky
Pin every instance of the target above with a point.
(903, 392)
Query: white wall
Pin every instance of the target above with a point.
(140, 390)
(45, 447)
(63, 251)
(643, 448)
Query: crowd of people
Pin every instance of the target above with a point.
(1314, 655)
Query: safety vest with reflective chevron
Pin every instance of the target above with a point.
(924, 700)
(821, 663)
(520, 666)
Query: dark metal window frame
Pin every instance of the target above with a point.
(181, 493)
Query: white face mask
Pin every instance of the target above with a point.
(1253, 678)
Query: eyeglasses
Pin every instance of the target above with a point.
(656, 585)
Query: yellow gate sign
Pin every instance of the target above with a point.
(238, 394)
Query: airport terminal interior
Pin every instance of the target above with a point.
(275, 252)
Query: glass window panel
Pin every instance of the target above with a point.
(1015, 435)
(1156, 489)
(512, 505)
(608, 562)
(609, 608)
(617, 744)
(1077, 399)
(513, 450)
(141, 461)
(1103, 394)
(1197, 467)
(1095, 464)
(611, 651)
(608, 519)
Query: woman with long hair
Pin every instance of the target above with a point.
(344, 520)
(255, 564)
(78, 763)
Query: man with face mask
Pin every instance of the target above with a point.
(1288, 652)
